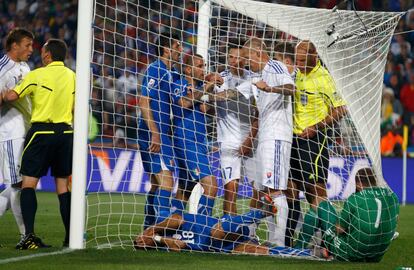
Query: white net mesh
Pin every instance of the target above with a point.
(206, 137)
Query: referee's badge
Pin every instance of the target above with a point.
(304, 99)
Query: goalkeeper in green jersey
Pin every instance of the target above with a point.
(364, 229)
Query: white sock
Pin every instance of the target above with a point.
(252, 230)
(17, 211)
(277, 230)
(5, 200)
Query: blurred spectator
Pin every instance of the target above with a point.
(407, 99)
(391, 109)
(391, 144)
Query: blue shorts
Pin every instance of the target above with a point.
(193, 156)
(152, 161)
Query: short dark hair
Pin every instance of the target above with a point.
(16, 35)
(286, 48)
(189, 60)
(235, 43)
(57, 49)
(366, 176)
(164, 40)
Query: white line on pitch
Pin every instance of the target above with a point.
(23, 258)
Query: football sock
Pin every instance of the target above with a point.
(290, 251)
(310, 224)
(149, 210)
(64, 202)
(16, 209)
(162, 201)
(281, 219)
(28, 203)
(179, 205)
(293, 217)
(205, 205)
(232, 223)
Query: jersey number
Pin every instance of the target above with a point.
(227, 172)
(379, 205)
(188, 237)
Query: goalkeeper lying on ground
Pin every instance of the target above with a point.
(182, 231)
(365, 227)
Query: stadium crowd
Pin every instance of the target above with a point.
(123, 48)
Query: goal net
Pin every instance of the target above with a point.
(351, 47)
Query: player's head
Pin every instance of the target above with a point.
(169, 46)
(19, 44)
(306, 56)
(365, 177)
(235, 55)
(194, 67)
(256, 53)
(53, 50)
(285, 53)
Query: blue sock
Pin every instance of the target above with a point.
(290, 251)
(179, 205)
(149, 210)
(162, 201)
(232, 223)
(205, 206)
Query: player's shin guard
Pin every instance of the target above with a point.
(310, 223)
(205, 205)
(287, 251)
(16, 209)
(293, 217)
(327, 215)
(149, 210)
(28, 203)
(64, 202)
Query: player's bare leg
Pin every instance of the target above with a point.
(230, 197)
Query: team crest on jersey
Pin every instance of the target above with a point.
(304, 99)
(151, 83)
(197, 171)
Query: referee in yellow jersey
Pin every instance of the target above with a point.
(316, 107)
(49, 141)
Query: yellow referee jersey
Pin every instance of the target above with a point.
(51, 89)
(315, 95)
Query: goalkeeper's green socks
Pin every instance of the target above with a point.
(310, 224)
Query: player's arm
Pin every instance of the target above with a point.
(247, 145)
(251, 248)
(8, 96)
(147, 115)
(285, 89)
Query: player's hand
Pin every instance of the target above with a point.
(261, 85)
(144, 241)
(172, 244)
(155, 146)
(215, 78)
(246, 148)
(309, 132)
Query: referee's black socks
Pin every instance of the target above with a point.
(28, 204)
(292, 222)
(64, 201)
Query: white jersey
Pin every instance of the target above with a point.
(275, 110)
(14, 117)
(234, 116)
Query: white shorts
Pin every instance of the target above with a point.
(233, 166)
(10, 157)
(273, 163)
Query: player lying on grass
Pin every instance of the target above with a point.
(182, 231)
(365, 227)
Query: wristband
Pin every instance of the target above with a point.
(205, 98)
(157, 239)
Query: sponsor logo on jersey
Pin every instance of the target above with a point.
(304, 99)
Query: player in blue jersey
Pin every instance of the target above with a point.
(154, 134)
(190, 131)
(182, 231)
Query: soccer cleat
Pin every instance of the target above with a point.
(268, 205)
(31, 241)
(20, 244)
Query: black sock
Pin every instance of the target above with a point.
(64, 201)
(28, 204)
(293, 217)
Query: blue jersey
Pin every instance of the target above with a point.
(157, 85)
(189, 123)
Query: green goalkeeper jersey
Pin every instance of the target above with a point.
(370, 219)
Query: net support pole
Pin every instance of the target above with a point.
(203, 33)
(80, 137)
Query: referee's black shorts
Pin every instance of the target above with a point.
(48, 146)
(309, 161)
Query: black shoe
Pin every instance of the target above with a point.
(21, 242)
(31, 241)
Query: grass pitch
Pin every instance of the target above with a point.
(49, 227)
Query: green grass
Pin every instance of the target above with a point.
(50, 228)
